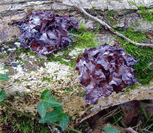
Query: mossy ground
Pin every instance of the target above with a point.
(20, 123)
(145, 13)
(144, 68)
(144, 71)
(84, 38)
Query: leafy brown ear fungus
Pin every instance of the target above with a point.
(43, 32)
(105, 69)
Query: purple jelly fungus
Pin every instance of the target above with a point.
(105, 69)
(43, 32)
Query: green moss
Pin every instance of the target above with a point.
(6, 67)
(40, 61)
(133, 3)
(137, 24)
(23, 124)
(19, 51)
(128, 88)
(82, 94)
(46, 79)
(1, 55)
(144, 73)
(58, 58)
(86, 40)
(134, 35)
(82, 38)
(145, 13)
(15, 121)
(23, 50)
(69, 89)
(111, 17)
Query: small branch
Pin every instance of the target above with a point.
(108, 26)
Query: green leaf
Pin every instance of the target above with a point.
(59, 109)
(52, 116)
(64, 120)
(2, 95)
(45, 94)
(48, 102)
(109, 129)
(55, 115)
(4, 77)
(41, 109)
(51, 102)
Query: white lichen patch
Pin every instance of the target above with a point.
(18, 44)
(27, 82)
(75, 52)
(19, 70)
(61, 77)
(57, 71)
(2, 70)
(58, 54)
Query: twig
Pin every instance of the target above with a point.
(108, 26)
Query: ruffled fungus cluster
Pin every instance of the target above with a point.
(105, 69)
(44, 32)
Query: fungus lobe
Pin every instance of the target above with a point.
(43, 32)
(105, 69)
